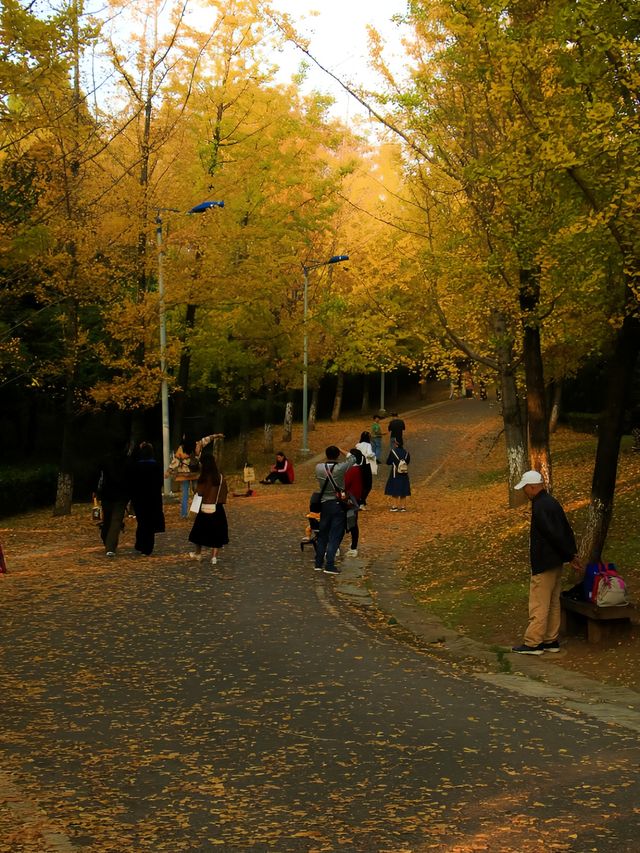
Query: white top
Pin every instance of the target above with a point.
(367, 451)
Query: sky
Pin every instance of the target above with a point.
(338, 39)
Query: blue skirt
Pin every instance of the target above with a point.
(398, 486)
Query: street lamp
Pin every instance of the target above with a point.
(336, 259)
(164, 388)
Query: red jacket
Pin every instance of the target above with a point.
(353, 482)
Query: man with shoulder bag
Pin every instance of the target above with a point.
(334, 503)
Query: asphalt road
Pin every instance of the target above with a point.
(176, 707)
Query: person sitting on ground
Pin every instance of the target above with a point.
(281, 471)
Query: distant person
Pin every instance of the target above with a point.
(146, 479)
(281, 471)
(210, 528)
(398, 486)
(368, 466)
(330, 475)
(376, 438)
(114, 493)
(468, 384)
(395, 428)
(551, 543)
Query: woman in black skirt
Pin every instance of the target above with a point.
(210, 527)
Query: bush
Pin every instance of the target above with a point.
(582, 421)
(22, 489)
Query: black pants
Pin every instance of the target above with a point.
(274, 476)
(112, 516)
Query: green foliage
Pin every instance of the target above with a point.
(26, 488)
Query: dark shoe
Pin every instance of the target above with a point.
(527, 650)
(553, 646)
(318, 568)
(332, 571)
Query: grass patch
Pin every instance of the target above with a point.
(473, 570)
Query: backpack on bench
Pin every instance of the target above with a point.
(604, 587)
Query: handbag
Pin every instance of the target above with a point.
(196, 503)
(210, 508)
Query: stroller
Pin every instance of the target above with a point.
(311, 530)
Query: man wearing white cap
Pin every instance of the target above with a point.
(551, 544)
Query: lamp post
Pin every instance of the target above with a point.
(336, 259)
(164, 387)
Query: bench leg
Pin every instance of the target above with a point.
(596, 631)
(571, 623)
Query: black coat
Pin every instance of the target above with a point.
(145, 483)
(552, 542)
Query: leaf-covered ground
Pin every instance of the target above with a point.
(465, 552)
(456, 529)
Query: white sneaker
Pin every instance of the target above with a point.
(214, 561)
(352, 552)
(110, 553)
(195, 556)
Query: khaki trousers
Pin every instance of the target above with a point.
(544, 607)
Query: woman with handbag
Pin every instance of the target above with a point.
(210, 529)
(398, 486)
(184, 468)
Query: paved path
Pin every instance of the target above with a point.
(172, 707)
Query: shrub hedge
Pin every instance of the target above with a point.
(22, 489)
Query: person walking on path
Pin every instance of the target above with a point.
(398, 486)
(146, 479)
(353, 487)
(330, 476)
(114, 493)
(376, 438)
(281, 471)
(551, 543)
(395, 428)
(210, 528)
(368, 466)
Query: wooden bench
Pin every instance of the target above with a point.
(602, 622)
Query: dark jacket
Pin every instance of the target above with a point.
(552, 542)
(113, 480)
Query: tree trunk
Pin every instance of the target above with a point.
(313, 410)
(603, 485)
(517, 461)
(337, 400)
(365, 394)
(287, 429)
(64, 490)
(268, 422)
(556, 406)
(245, 427)
(180, 393)
(538, 425)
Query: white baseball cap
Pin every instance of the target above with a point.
(530, 478)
